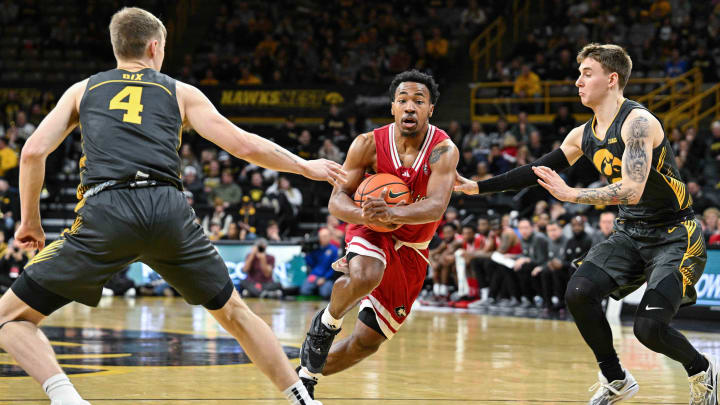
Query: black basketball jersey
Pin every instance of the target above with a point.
(130, 124)
(665, 192)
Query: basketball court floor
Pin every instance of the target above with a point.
(151, 351)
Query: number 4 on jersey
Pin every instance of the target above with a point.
(132, 106)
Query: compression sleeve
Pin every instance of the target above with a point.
(523, 176)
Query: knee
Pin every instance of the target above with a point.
(648, 331)
(576, 295)
(367, 280)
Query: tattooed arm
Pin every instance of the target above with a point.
(641, 132)
(443, 161)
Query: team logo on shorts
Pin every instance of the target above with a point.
(400, 311)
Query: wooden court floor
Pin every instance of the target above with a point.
(162, 351)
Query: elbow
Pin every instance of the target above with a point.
(438, 212)
(31, 153)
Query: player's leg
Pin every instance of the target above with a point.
(258, 342)
(364, 341)
(27, 344)
(677, 266)
(364, 274)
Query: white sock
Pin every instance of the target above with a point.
(463, 287)
(329, 321)
(305, 373)
(484, 293)
(436, 289)
(443, 289)
(297, 394)
(59, 388)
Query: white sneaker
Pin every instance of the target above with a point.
(314, 402)
(616, 391)
(59, 402)
(704, 385)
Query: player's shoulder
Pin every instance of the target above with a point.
(640, 116)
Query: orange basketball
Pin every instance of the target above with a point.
(374, 185)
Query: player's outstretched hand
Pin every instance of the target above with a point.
(464, 185)
(553, 183)
(325, 170)
(30, 237)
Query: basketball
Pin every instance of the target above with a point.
(373, 186)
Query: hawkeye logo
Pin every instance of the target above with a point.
(90, 350)
(608, 164)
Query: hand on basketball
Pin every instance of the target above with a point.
(30, 237)
(464, 185)
(377, 212)
(553, 183)
(325, 170)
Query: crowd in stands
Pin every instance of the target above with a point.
(509, 258)
(345, 42)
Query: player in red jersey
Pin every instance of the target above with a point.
(384, 271)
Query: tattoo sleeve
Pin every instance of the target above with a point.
(437, 152)
(612, 194)
(635, 160)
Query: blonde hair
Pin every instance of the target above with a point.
(130, 30)
(613, 58)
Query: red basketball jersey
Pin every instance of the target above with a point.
(416, 177)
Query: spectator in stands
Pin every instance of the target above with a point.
(329, 151)
(605, 227)
(477, 140)
(580, 242)
(564, 68)
(247, 78)
(188, 158)
(442, 260)
(700, 200)
(554, 274)
(534, 253)
(468, 163)
(562, 123)
(229, 192)
(710, 222)
(287, 201)
(212, 179)
(473, 18)
(335, 126)
(272, 232)
(454, 131)
(191, 182)
(259, 269)
(8, 157)
(676, 65)
(320, 276)
(701, 59)
(233, 232)
(535, 146)
(713, 143)
(527, 85)
(247, 219)
(209, 79)
(305, 148)
(437, 49)
(523, 128)
(256, 190)
(289, 133)
(12, 263)
(24, 128)
(219, 216)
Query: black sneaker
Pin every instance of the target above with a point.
(309, 383)
(315, 348)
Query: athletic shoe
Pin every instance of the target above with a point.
(309, 383)
(59, 402)
(316, 346)
(483, 303)
(704, 385)
(616, 391)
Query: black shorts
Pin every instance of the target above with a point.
(115, 228)
(636, 254)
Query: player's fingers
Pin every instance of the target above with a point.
(383, 193)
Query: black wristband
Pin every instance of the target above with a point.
(523, 176)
